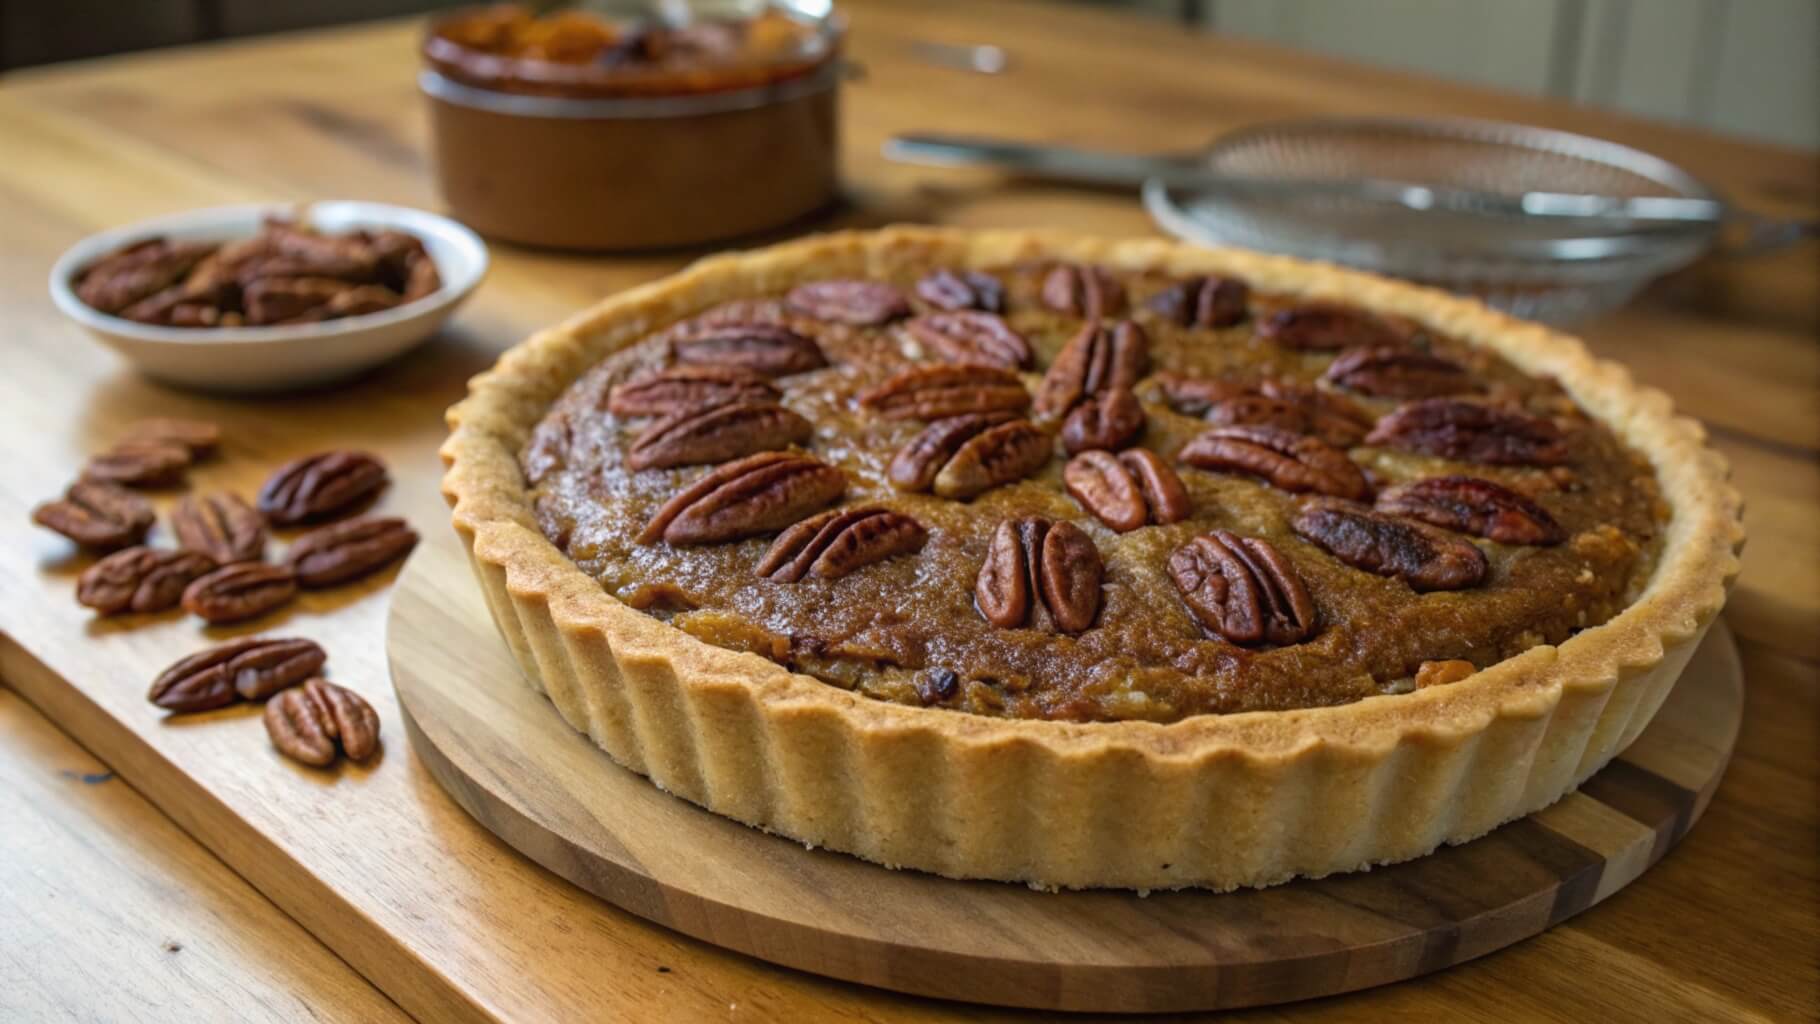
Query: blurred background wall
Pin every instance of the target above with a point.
(1742, 67)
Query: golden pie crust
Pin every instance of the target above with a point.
(1215, 801)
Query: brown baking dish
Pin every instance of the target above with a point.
(575, 132)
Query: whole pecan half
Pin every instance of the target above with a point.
(1243, 589)
(996, 455)
(240, 591)
(138, 463)
(140, 580)
(688, 387)
(284, 300)
(962, 289)
(1127, 490)
(1326, 327)
(199, 436)
(763, 348)
(1422, 556)
(916, 464)
(1193, 396)
(98, 515)
(1289, 461)
(1083, 290)
(860, 303)
(965, 336)
(1109, 420)
(1098, 358)
(1467, 504)
(1033, 564)
(1455, 428)
(221, 526)
(840, 540)
(306, 722)
(349, 550)
(124, 277)
(691, 437)
(1333, 418)
(947, 389)
(1398, 372)
(320, 486)
(251, 668)
(1211, 301)
(760, 493)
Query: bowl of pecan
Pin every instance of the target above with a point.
(269, 297)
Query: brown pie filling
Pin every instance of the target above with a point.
(1068, 493)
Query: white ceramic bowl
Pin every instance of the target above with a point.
(277, 358)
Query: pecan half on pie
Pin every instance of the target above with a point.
(1075, 562)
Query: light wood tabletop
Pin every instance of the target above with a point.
(205, 840)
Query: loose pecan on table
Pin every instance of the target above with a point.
(965, 336)
(943, 390)
(252, 668)
(838, 541)
(692, 437)
(349, 550)
(1109, 420)
(1326, 327)
(760, 493)
(964, 456)
(240, 591)
(1243, 589)
(320, 486)
(1034, 567)
(1289, 461)
(1454, 428)
(1100, 357)
(1127, 490)
(1202, 302)
(860, 303)
(221, 526)
(1468, 504)
(306, 723)
(688, 387)
(140, 579)
(1083, 290)
(763, 348)
(1424, 557)
(98, 515)
(135, 463)
(1398, 372)
(199, 436)
(962, 289)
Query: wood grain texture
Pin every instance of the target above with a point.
(512, 762)
(375, 862)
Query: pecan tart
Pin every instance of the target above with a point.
(1088, 563)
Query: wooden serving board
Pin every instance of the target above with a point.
(507, 757)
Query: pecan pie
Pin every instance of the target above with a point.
(1088, 563)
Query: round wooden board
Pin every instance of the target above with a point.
(502, 751)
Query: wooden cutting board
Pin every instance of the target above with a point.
(507, 757)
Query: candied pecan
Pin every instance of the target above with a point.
(947, 389)
(916, 464)
(1455, 428)
(1109, 420)
(98, 515)
(349, 549)
(1098, 358)
(243, 590)
(1398, 372)
(360, 300)
(1243, 589)
(140, 580)
(1422, 556)
(686, 387)
(1468, 504)
(251, 668)
(769, 349)
(997, 455)
(1031, 564)
(1326, 327)
(220, 526)
(1083, 290)
(1289, 461)
(277, 300)
(1193, 396)
(199, 436)
(838, 541)
(1202, 302)
(306, 722)
(320, 486)
(1128, 490)
(760, 493)
(690, 437)
(962, 289)
(860, 303)
(1337, 420)
(984, 339)
(123, 278)
(136, 463)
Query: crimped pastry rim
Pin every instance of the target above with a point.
(1698, 559)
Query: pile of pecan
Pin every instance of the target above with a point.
(286, 274)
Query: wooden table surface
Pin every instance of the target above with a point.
(116, 911)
